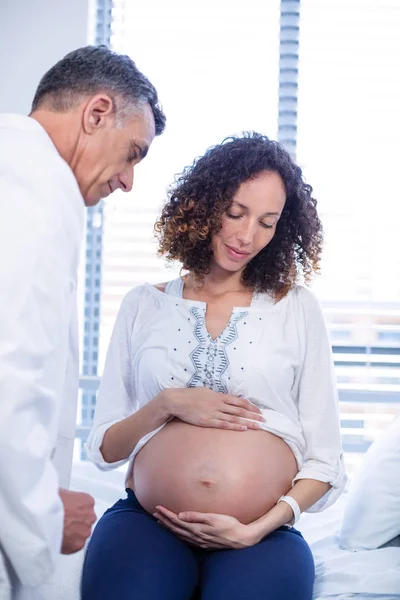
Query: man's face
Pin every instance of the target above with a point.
(107, 158)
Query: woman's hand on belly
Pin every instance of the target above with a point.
(205, 408)
(208, 530)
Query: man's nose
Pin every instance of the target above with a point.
(125, 179)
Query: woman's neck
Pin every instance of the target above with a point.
(218, 283)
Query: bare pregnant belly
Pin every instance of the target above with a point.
(184, 467)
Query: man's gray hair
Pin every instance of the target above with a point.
(92, 70)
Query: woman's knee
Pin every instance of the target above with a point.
(280, 567)
(131, 551)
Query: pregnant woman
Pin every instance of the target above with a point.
(219, 390)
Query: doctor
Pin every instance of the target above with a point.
(93, 119)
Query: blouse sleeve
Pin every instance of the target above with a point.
(318, 405)
(115, 399)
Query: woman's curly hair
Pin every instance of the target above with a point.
(204, 191)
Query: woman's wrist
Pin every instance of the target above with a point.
(280, 514)
(166, 404)
(254, 533)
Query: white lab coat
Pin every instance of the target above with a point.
(41, 227)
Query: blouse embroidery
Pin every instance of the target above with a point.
(209, 358)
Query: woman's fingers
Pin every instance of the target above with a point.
(182, 533)
(184, 530)
(241, 412)
(226, 424)
(222, 411)
(242, 408)
(241, 403)
(231, 419)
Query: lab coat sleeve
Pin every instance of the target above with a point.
(34, 300)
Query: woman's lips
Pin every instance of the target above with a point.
(235, 254)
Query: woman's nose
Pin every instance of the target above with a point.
(246, 233)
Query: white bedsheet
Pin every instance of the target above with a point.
(340, 574)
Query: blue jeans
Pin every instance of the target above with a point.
(132, 557)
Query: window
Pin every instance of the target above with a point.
(343, 121)
(390, 336)
(340, 104)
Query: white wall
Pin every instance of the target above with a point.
(34, 35)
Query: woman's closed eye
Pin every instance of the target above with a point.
(266, 225)
(262, 223)
(231, 216)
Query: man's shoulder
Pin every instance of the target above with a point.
(24, 138)
(30, 160)
(23, 134)
(25, 148)
(17, 122)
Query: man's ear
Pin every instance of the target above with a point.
(97, 113)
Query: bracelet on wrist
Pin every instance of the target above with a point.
(293, 505)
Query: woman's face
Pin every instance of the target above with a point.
(250, 222)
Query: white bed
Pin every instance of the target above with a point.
(340, 574)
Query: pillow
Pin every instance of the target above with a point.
(372, 514)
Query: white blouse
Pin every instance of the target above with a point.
(278, 356)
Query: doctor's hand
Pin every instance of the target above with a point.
(205, 408)
(79, 517)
